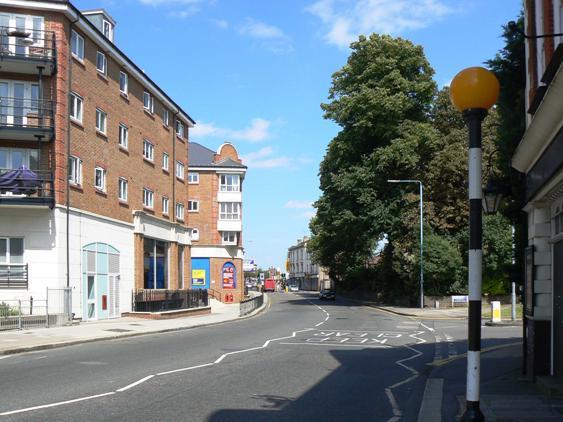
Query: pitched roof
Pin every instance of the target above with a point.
(200, 156)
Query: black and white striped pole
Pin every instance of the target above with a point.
(473, 91)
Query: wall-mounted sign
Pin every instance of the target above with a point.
(229, 275)
(198, 277)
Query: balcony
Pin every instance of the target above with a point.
(24, 187)
(13, 276)
(23, 119)
(25, 51)
(229, 225)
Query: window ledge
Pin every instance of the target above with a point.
(76, 187)
(180, 179)
(76, 123)
(165, 171)
(78, 60)
(101, 134)
(100, 192)
(123, 203)
(146, 160)
(103, 76)
(124, 96)
(148, 209)
(123, 149)
(167, 127)
(148, 113)
(192, 211)
(180, 138)
(193, 183)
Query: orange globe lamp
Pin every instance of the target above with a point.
(474, 88)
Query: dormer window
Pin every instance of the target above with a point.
(108, 30)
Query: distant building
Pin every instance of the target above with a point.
(540, 157)
(302, 270)
(215, 218)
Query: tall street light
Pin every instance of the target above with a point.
(473, 91)
(421, 238)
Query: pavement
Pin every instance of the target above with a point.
(18, 341)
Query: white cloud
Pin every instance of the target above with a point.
(261, 30)
(346, 19)
(183, 14)
(264, 158)
(292, 203)
(259, 130)
(267, 36)
(220, 23)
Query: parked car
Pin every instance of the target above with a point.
(293, 288)
(327, 294)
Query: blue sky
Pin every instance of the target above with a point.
(254, 72)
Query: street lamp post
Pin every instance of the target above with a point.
(421, 237)
(473, 91)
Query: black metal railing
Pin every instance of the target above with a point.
(21, 43)
(22, 183)
(26, 113)
(13, 276)
(148, 300)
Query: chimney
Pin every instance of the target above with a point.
(102, 21)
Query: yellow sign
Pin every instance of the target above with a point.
(198, 277)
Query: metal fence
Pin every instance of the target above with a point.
(249, 305)
(54, 310)
(161, 300)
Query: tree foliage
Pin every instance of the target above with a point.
(395, 124)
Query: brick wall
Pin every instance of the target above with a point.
(216, 267)
(205, 220)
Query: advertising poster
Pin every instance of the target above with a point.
(229, 273)
(198, 277)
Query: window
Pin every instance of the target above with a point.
(155, 264)
(75, 170)
(123, 83)
(100, 179)
(165, 161)
(101, 118)
(148, 198)
(107, 29)
(122, 189)
(77, 45)
(165, 117)
(229, 211)
(76, 107)
(123, 136)
(148, 102)
(179, 170)
(165, 205)
(180, 211)
(229, 238)
(101, 62)
(193, 206)
(193, 178)
(11, 250)
(38, 37)
(148, 150)
(179, 129)
(195, 234)
(16, 158)
(230, 183)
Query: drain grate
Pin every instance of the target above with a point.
(118, 330)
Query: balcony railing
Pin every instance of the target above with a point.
(26, 113)
(29, 44)
(13, 276)
(26, 187)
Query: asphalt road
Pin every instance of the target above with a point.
(300, 360)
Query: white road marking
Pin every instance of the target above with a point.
(427, 327)
(320, 323)
(142, 380)
(5, 357)
(218, 360)
(365, 346)
(396, 411)
(45, 406)
(185, 369)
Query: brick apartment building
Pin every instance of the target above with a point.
(93, 164)
(215, 215)
(540, 157)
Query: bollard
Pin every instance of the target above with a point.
(19, 314)
(495, 311)
(513, 301)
